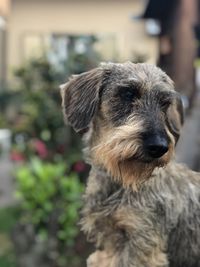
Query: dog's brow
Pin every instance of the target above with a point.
(164, 91)
(129, 82)
(162, 87)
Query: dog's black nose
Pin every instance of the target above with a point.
(156, 145)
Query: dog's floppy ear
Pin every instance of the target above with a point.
(175, 116)
(80, 98)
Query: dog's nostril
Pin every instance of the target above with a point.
(156, 146)
(156, 151)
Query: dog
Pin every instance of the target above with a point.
(141, 208)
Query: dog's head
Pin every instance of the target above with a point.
(131, 115)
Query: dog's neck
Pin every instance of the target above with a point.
(101, 182)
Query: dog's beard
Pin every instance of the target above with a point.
(120, 153)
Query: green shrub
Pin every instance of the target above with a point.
(51, 199)
(8, 219)
(32, 107)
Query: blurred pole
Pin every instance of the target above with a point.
(7, 186)
(184, 53)
(2, 53)
(197, 79)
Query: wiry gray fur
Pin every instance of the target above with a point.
(157, 225)
(166, 206)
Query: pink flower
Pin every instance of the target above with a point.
(40, 148)
(79, 166)
(17, 156)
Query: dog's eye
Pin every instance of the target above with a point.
(128, 94)
(165, 103)
(164, 99)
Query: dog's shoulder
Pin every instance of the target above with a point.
(176, 187)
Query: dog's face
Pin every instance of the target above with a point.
(131, 115)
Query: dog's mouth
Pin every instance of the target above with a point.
(146, 159)
(134, 158)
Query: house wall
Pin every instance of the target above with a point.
(2, 58)
(4, 12)
(4, 7)
(79, 17)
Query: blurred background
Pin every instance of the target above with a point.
(42, 173)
